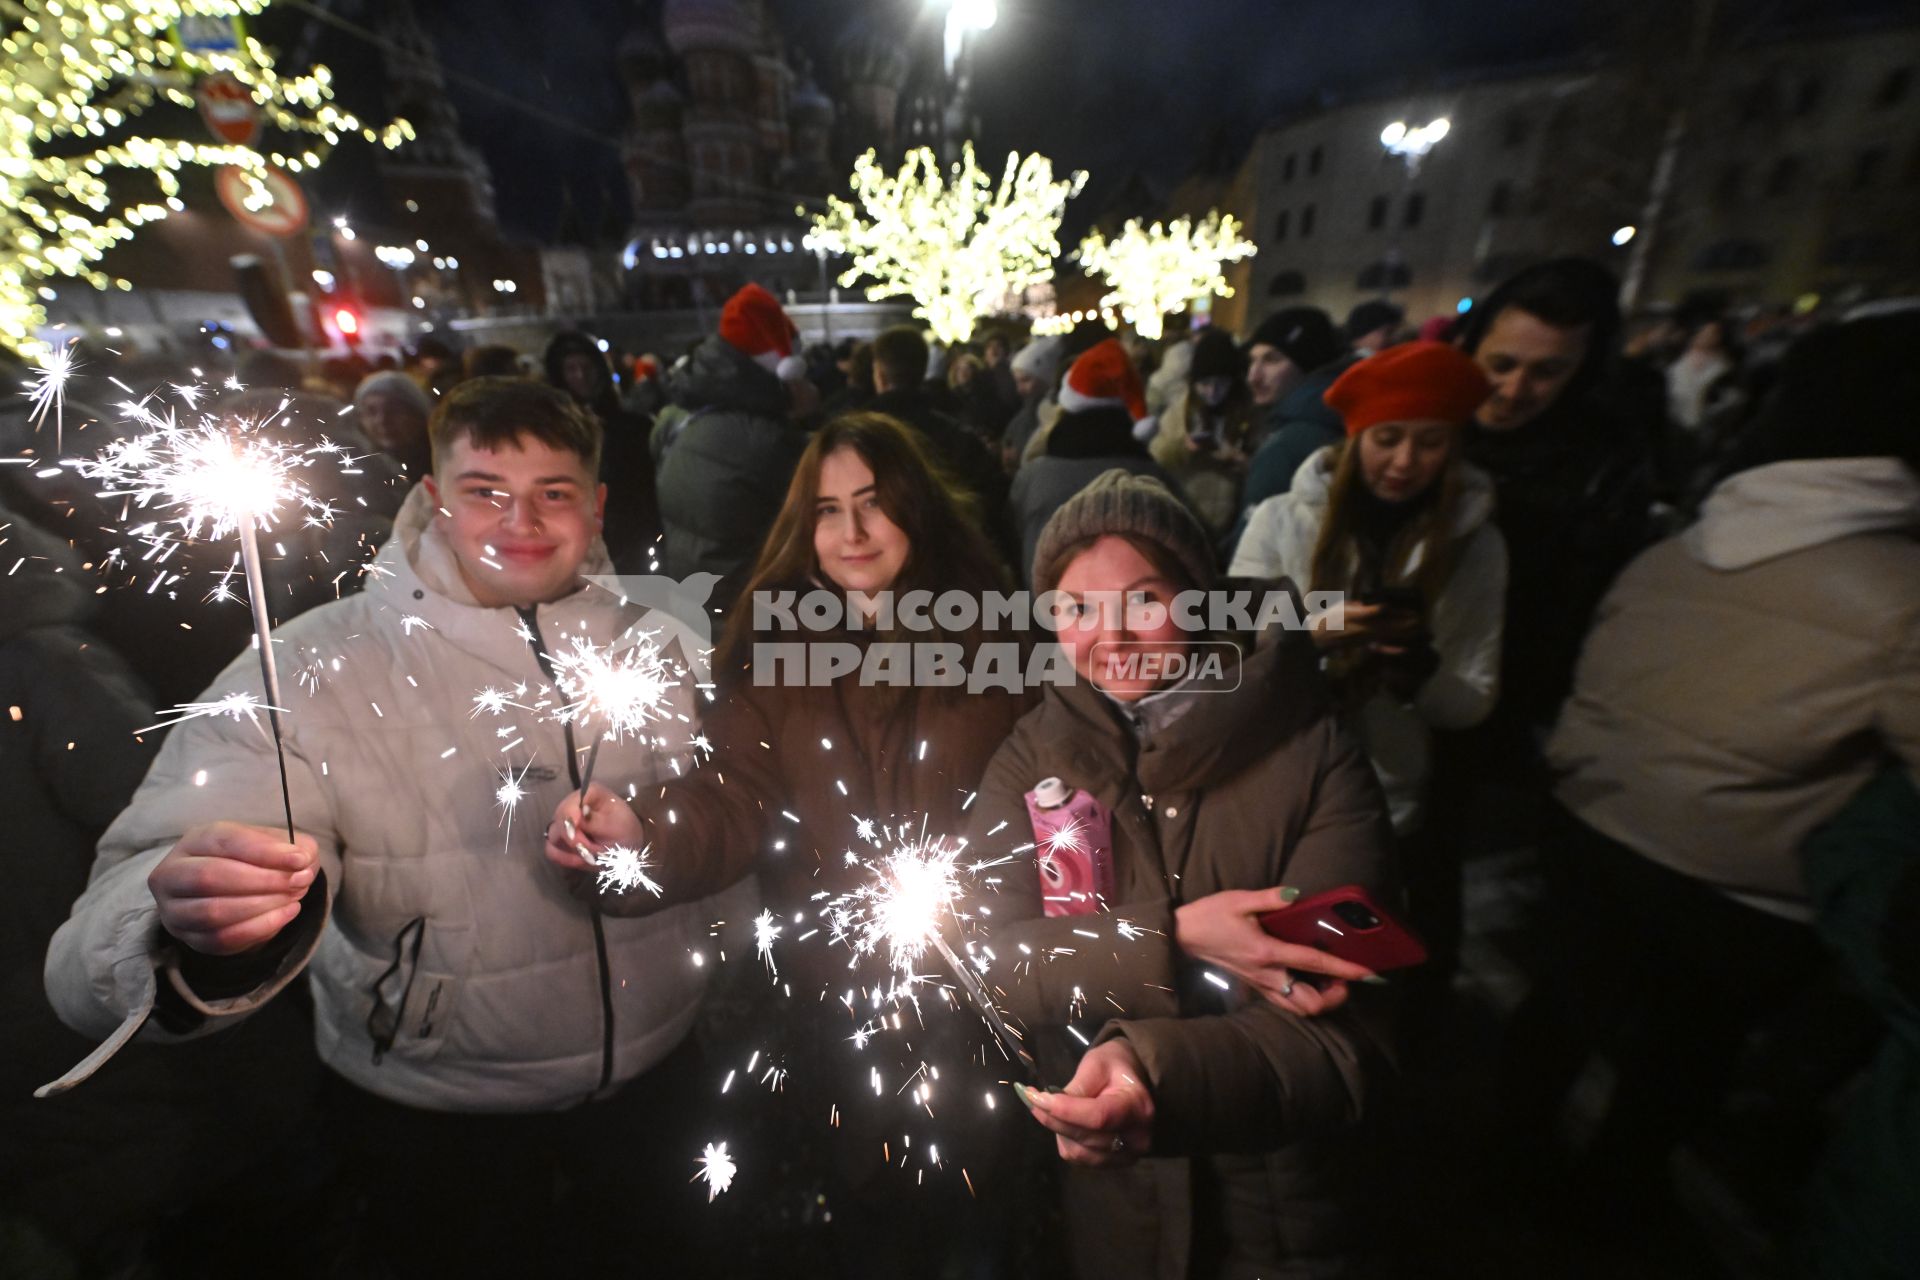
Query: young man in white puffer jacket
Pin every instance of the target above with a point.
(453, 969)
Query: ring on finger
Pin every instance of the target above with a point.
(1119, 1144)
(1286, 986)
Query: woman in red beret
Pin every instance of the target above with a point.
(1398, 522)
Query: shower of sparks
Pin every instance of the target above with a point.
(902, 907)
(766, 931)
(235, 705)
(1066, 839)
(716, 1170)
(215, 477)
(620, 692)
(497, 700)
(48, 390)
(509, 794)
(622, 870)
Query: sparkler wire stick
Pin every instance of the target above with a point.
(977, 991)
(257, 594)
(586, 775)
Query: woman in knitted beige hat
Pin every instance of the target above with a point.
(1201, 1128)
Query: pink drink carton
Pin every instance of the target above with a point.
(1073, 844)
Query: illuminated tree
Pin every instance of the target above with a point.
(955, 243)
(1153, 271)
(75, 78)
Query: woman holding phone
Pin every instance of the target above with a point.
(1399, 523)
(1209, 1073)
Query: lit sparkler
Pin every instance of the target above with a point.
(48, 390)
(716, 1170)
(216, 478)
(509, 794)
(237, 705)
(622, 869)
(622, 692)
(915, 889)
(766, 931)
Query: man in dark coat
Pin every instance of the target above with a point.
(727, 447)
(576, 364)
(900, 359)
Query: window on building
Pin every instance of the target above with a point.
(1784, 176)
(1287, 284)
(1377, 213)
(1286, 167)
(1416, 209)
(1306, 222)
(1513, 132)
(1383, 275)
(1280, 224)
(1867, 166)
(1893, 89)
(1315, 158)
(1500, 203)
(1808, 96)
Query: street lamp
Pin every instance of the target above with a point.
(1623, 235)
(964, 16)
(1411, 143)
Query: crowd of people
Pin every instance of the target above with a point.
(1641, 599)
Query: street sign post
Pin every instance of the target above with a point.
(228, 108)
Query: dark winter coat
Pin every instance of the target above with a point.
(725, 455)
(1300, 424)
(959, 452)
(1232, 790)
(1080, 447)
(96, 1169)
(1572, 496)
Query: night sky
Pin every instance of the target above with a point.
(1113, 86)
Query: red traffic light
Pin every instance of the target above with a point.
(347, 321)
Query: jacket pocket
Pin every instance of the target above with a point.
(410, 1006)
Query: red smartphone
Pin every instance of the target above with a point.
(1348, 923)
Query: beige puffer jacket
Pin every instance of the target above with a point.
(439, 922)
(1743, 680)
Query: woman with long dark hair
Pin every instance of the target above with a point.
(796, 765)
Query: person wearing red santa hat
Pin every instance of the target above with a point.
(1102, 407)
(1399, 523)
(726, 448)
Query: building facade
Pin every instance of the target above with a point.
(1794, 173)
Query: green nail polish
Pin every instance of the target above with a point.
(1289, 894)
(1374, 980)
(1020, 1092)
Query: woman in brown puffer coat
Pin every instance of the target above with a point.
(1211, 1088)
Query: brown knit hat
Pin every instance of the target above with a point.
(1120, 502)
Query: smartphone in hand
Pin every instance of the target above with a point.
(1348, 923)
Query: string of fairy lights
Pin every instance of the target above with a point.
(75, 78)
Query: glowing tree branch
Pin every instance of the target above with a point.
(1153, 271)
(955, 243)
(75, 77)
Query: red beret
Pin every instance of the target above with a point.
(1413, 382)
